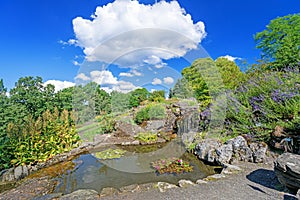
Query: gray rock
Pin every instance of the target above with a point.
(287, 169)
(18, 173)
(49, 196)
(25, 170)
(154, 126)
(206, 150)
(108, 191)
(200, 181)
(224, 153)
(185, 183)
(244, 154)
(214, 177)
(126, 129)
(8, 175)
(259, 151)
(163, 186)
(130, 188)
(229, 169)
(239, 143)
(85, 194)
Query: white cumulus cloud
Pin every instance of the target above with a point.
(168, 80)
(156, 81)
(103, 77)
(128, 32)
(231, 58)
(59, 85)
(83, 77)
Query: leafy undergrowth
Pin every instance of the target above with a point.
(110, 154)
(171, 166)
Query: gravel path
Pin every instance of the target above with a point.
(255, 182)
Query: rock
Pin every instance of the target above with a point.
(85, 194)
(214, 177)
(185, 183)
(125, 129)
(287, 169)
(200, 181)
(108, 191)
(239, 143)
(206, 150)
(25, 170)
(154, 126)
(130, 188)
(259, 151)
(224, 153)
(49, 196)
(244, 154)
(18, 173)
(163, 186)
(8, 175)
(101, 138)
(229, 169)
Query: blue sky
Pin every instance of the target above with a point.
(37, 38)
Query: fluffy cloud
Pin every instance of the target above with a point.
(132, 73)
(156, 81)
(59, 85)
(124, 87)
(103, 77)
(231, 58)
(127, 32)
(168, 80)
(83, 77)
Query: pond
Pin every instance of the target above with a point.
(133, 168)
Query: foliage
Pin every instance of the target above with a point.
(146, 137)
(182, 89)
(106, 123)
(280, 42)
(206, 78)
(38, 140)
(151, 111)
(120, 102)
(110, 154)
(268, 99)
(157, 96)
(102, 101)
(138, 96)
(171, 165)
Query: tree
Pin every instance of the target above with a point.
(280, 42)
(102, 101)
(230, 73)
(157, 96)
(137, 96)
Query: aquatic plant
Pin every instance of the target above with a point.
(110, 154)
(171, 166)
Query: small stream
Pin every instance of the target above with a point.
(134, 168)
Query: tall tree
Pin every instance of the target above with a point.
(280, 42)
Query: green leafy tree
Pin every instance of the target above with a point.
(157, 96)
(137, 96)
(102, 101)
(230, 73)
(280, 42)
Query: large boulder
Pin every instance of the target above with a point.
(205, 150)
(126, 129)
(287, 169)
(154, 126)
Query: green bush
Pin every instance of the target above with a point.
(146, 137)
(38, 140)
(151, 111)
(106, 123)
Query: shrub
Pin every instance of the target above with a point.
(151, 111)
(265, 101)
(146, 137)
(106, 123)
